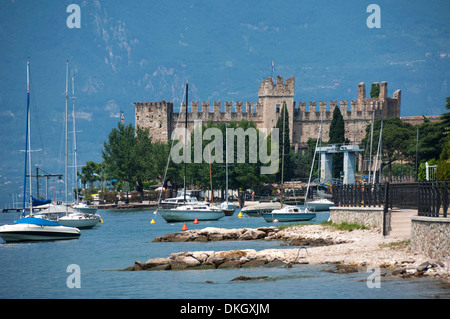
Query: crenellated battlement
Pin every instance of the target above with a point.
(304, 116)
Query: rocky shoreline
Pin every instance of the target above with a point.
(301, 244)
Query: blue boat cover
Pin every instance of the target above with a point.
(37, 202)
(36, 221)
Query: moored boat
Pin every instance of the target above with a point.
(191, 213)
(319, 205)
(258, 209)
(37, 229)
(289, 214)
(68, 216)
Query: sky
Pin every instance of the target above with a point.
(145, 50)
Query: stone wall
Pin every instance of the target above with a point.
(431, 236)
(367, 216)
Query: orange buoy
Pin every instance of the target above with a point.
(196, 221)
(275, 220)
(184, 227)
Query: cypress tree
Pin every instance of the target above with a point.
(337, 136)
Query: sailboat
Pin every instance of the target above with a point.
(64, 214)
(190, 212)
(288, 213)
(80, 206)
(226, 207)
(321, 203)
(30, 228)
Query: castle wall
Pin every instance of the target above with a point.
(304, 117)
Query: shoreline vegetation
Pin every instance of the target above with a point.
(350, 247)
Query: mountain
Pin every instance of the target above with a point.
(129, 51)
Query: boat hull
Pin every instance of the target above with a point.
(228, 212)
(185, 216)
(258, 209)
(82, 223)
(28, 232)
(319, 206)
(288, 217)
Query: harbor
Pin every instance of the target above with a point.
(127, 236)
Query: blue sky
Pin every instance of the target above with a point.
(128, 51)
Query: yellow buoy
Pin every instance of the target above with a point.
(153, 221)
(240, 215)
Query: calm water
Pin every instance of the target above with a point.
(39, 270)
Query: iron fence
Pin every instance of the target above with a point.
(433, 199)
(429, 198)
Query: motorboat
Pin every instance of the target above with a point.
(37, 229)
(289, 213)
(319, 205)
(228, 208)
(256, 210)
(177, 201)
(191, 212)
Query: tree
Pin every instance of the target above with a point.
(375, 91)
(337, 136)
(128, 156)
(443, 164)
(398, 141)
(90, 173)
(283, 129)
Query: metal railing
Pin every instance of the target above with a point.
(433, 199)
(429, 198)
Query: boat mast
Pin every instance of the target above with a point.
(282, 159)
(185, 139)
(74, 139)
(66, 154)
(27, 145)
(319, 138)
(226, 164)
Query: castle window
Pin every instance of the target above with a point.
(278, 108)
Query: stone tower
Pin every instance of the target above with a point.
(271, 97)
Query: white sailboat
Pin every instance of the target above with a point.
(190, 212)
(287, 213)
(71, 216)
(321, 203)
(64, 214)
(80, 206)
(32, 228)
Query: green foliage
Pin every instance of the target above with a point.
(283, 127)
(399, 142)
(337, 136)
(90, 173)
(128, 156)
(375, 91)
(344, 226)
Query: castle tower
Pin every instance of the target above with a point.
(383, 91)
(271, 97)
(361, 91)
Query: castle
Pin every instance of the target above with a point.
(304, 123)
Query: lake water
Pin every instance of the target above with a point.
(39, 269)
